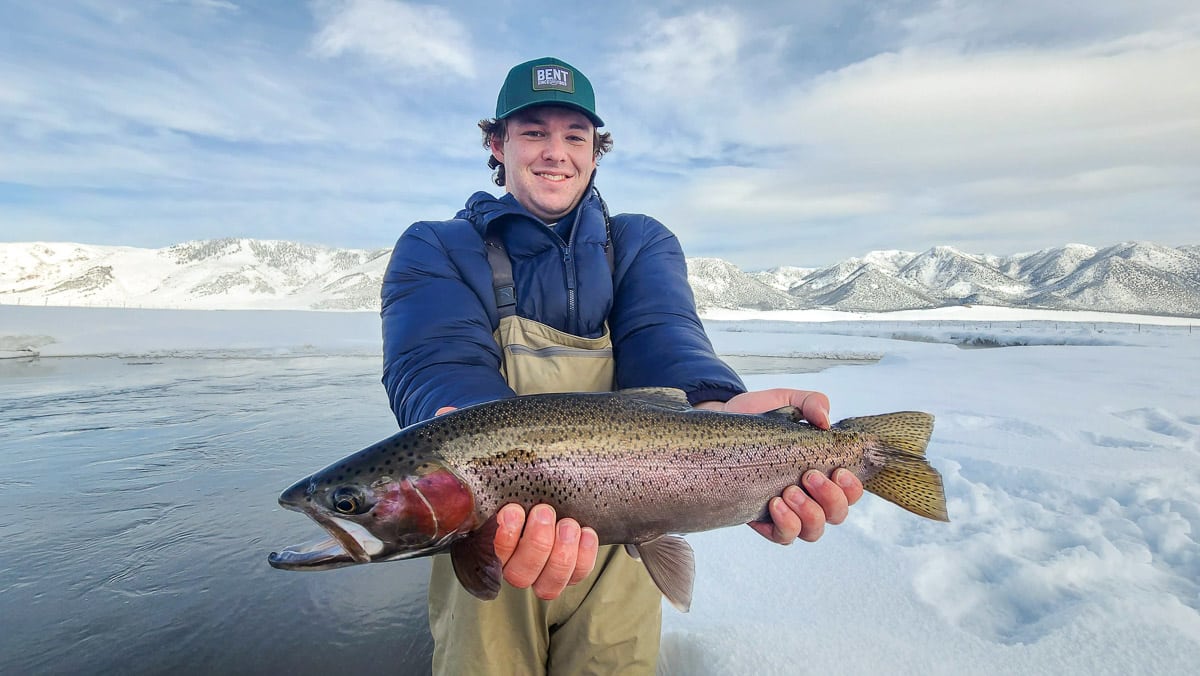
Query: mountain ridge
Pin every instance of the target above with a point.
(237, 273)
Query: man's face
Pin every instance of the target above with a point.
(548, 159)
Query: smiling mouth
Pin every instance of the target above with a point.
(551, 177)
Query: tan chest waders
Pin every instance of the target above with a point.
(607, 624)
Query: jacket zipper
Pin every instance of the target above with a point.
(570, 269)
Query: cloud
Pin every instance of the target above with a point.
(936, 138)
(682, 77)
(989, 25)
(772, 133)
(214, 5)
(412, 41)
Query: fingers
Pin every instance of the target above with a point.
(849, 484)
(560, 564)
(589, 547)
(814, 406)
(829, 495)
(509, 522)
(532, 549)
(797, 514)
(548, 554)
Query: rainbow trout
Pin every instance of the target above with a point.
(636, 465)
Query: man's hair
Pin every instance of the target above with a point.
(493, 128)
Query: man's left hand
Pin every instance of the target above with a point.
(801, 512)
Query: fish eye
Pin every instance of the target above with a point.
(348, 500)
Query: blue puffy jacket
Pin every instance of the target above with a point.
(439, 308)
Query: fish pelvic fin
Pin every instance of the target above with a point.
(672, 565)
(475, 562)
(906, 478)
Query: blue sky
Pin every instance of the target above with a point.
(766, 133)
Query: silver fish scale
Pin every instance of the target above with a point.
(634, 470)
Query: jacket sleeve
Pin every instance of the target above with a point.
(658, 339)
(438, 348)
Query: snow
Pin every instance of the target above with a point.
(242, 274)
(1071, 462)
(1071, 471)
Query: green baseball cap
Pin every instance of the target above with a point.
(546, 81)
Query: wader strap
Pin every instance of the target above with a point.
(608, 243)
(502, 276)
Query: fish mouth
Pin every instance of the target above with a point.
(348, 544)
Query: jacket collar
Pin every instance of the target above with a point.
(483, 208)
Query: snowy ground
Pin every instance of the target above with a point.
(1071, 458)
(1072, 468)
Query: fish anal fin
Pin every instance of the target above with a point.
(672, 565)
(475, 562)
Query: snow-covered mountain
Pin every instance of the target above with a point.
(211, 274)
(1132, 277)
(719, 283)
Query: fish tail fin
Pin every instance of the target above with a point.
(906, 477)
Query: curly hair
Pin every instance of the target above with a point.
(493, 128)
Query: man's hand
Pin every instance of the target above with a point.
(548, 555)
(799, 512)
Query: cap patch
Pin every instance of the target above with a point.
(554, 78)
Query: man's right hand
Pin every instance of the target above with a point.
(537, 550)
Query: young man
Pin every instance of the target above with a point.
(542, 291)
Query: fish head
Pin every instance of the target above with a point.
(416, 509)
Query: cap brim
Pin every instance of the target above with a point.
(564, 104)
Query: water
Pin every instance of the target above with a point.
(137, 509)
(138, 506)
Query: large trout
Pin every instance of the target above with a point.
(636, 465)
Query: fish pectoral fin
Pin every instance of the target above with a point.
(475, 562)
(672, 565)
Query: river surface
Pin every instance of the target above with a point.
(137, 509)
(138, 506)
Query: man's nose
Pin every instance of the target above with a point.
(555, 149)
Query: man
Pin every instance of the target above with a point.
(542, 291)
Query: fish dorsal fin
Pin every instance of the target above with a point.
(672, 565)
(661, 397)
(788, 413)
(475, 562)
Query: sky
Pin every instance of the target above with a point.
(767, 133)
